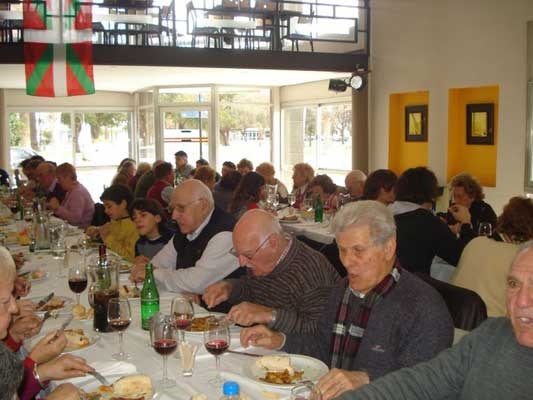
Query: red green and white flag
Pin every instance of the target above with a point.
(58, 48)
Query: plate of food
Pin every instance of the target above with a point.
(129, 292)
(289, 219)
(37, 275)
(60, 304)
(125, 268)
(200, 322)
(81, 313)
(138, 387)
(285, 371)
(78, 339)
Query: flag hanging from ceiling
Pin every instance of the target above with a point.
(58, 48)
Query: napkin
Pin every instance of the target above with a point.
(107, 368)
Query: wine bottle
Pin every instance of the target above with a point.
(319, 209)
(149, 298)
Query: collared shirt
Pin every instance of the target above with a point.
(196, 233)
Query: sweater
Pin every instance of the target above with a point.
(122, 238)
(487, 364)
(297, 289)
(144, 183)
(150, 247)
(483, 268)
(77, 208)
(421, 236)
(411, 324)
(154, 192)
(481, 212)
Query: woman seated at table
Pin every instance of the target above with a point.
(302, 175)
(379, 186)
(485, 261)
(124, 174)
(77, 208)
(249, 193)
(323, 186)
(466, 191)
(267, 171)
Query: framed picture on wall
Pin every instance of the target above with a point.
(480, 123)
(416, 123)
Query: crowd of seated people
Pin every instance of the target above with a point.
(198, 228)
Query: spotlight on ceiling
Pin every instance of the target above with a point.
(337, 85)
(357, 81)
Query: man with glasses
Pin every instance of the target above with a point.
(381, 319)
(287, 283)
(199, 254)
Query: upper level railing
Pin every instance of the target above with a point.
(333, 26)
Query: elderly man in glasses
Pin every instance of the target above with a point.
(493, 362)
(287, 285)
(199, 254)
(381, 319)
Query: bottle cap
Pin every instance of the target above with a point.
(230, 388)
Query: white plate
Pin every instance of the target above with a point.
(313, 370)
(289, 221)
(42, 278)
(204, 314)
(93, 338)
(66, 309)
(93, 385)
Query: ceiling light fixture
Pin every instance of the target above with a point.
(357, 81)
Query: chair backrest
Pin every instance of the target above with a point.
(466, 307)
(191, 16)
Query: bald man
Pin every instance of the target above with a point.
(199, 254)
(287, 284)
(355, 183)
(45, 174)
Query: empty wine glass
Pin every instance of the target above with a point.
(183, 312)
(119, 318)
(216, 342)
(164, 343)
(291, 198)
(275, 201)
(77, 280)
(485, 229)
(305, 391)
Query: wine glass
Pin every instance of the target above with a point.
(291, 198)
(119, 318)
(164, 343)
(77, 280)
(485, 229)
(84, 246)
(305, 391)
(275, 201)
(216, 342)
(183, 312)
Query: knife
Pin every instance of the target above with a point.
(242, 353)
(62, 328)
(100, 378)
(44, 301)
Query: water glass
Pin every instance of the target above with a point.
(187, 353)
(305, 391)
(485, 229)
(57, 240)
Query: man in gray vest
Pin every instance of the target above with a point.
(199, 254)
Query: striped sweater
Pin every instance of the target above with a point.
(297, 288)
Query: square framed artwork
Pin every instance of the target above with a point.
(416, 123)
(480, 123)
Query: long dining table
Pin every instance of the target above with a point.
(136, 341)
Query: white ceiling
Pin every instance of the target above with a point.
(132, 78)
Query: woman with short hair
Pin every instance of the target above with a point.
(302, 175)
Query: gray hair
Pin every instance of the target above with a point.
(11, 372)
(522, 248)
(369, 213)
(8, 270)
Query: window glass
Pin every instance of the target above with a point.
(184, 95)
(146, 136)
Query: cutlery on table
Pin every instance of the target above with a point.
(45, 300)
(62, 327)
(243, 353)
(100, 378)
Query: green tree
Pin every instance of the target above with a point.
(16, 129)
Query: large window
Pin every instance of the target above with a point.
(95, 142)
(320, 135)
(244, 120)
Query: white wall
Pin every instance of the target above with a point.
(101, 99)
(311, 92)
(436, 45)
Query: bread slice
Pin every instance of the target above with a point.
(133, 386)
(275, 364)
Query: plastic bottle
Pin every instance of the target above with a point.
(319, 209)
(149, 298)
(230, 391)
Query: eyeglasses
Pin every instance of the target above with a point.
(179, 208)
(233, 252)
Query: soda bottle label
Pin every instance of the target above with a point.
(149, 307)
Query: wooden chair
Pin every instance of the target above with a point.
(195, 31)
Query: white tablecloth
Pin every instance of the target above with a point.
(136, 340)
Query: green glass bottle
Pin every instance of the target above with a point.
(149, 298)
(20, 207)
(319, 209)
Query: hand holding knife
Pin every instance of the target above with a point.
(43, 302)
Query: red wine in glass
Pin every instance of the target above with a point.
(183, 321)
(165, 347)
(77, 285)
(217, 347)
(119, 324)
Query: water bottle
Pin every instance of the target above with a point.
(149, 298)
(230, 391)
(319, 209)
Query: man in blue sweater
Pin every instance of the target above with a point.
(382, 318)
(494, 362)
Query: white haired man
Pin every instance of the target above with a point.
(494, 362)
(288, 282)
(355, 183)
(199, 254)
(381, 319)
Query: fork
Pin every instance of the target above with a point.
(100, 378)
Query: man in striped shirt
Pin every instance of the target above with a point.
(287, 284)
